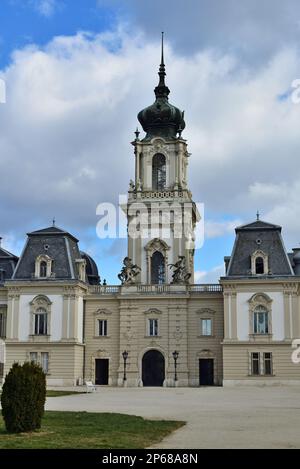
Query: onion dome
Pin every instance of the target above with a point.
(162, 119)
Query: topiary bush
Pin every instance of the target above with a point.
(23, 398)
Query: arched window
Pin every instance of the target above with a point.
(43, 269)
(159, 172)
(259, 265)
(40, 322)
(261, 320)
(157, 268)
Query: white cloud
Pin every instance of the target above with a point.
(217, 229)
(45, 7)
(211, 276)
(71, 112)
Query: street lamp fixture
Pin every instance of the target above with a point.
(125, 356)
(175, 356)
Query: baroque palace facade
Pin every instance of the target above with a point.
(157, 328)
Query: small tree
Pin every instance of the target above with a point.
(23, 398)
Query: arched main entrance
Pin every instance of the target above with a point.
(153, 368)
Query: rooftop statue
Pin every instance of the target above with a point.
(180, 275)
(129, 272)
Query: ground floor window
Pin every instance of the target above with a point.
(41, 359)
(268, 363)
(34, 357)
(261, 364)
(45, 361)
(255, 363)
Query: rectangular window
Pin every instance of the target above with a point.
(206, 327)
(40, 324)
(261, 323)
(268, 364)
(102, 327)
(2, 324)
(153, 327)
(255, 363)
(34, 357)
(45, 362)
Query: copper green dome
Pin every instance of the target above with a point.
(162, 119)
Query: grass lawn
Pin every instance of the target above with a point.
(86, 430)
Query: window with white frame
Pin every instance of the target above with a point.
(40, 322)
(43, 266)
(255, 364)
(2, 323)
(261, 320)
(40, 358)
(267, 363)
(102, 327)
(153, 327)
(261, 364)
(45, 362)
(206, 327)
(43, 269)
(33, 357)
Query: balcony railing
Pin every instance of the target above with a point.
(105, 289)
(155, 289)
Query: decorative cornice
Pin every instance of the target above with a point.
(152, 311)
(102, 311)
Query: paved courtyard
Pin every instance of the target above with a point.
(252, 417)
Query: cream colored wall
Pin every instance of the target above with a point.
(205, 347)
(127, 330)
(236, 364)
(65, 361)
(102, 347)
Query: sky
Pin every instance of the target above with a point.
(78, 72)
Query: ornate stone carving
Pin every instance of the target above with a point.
(129, 272)
(152, 311)
(206, 312)
(181, 274)
(102, 311)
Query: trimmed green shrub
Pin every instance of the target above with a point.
(23, 398)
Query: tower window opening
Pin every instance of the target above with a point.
(157, 268)
(159, 172)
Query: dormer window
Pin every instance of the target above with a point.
(259, 266)
(81, 269)
(43, 267)
(2, 275)
(259, 263)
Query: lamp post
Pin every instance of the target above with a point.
(125, 356)
(175, 356)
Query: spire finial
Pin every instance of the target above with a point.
(137, 134)
(162, 49)
(257, 215)
(53, 221)
(162, 91)
(0, 241)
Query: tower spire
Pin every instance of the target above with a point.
(162, 91)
